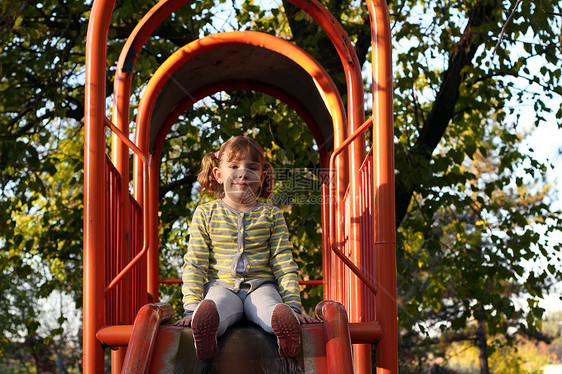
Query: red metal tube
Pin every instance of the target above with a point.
(338, 342)
(365, 332)
(143, 336)
(115, 336)
(152, 220)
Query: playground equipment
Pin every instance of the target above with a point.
(121, 229)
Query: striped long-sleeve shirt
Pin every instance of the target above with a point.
(230, 247)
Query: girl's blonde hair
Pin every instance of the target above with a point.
(237, 148)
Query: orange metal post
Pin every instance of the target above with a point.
(152, 255)
(120, 159)
(94, 194)
(383, 155)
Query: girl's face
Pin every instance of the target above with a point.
(241, 180)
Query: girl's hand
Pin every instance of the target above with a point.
(305, 318)
(184, 322)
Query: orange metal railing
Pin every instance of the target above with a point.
(369, 287)
(137, 276)
(120, 274)
(112, 243)
(334, 246)
(354, 247)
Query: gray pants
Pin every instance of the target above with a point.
(257, 305)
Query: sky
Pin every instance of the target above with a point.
(546, 142)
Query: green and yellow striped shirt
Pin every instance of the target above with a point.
(230, 247)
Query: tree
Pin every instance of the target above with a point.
(469, 228)
(453, 100)
(471, 262)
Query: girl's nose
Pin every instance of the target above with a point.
(241, 173)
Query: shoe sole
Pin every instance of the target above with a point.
(287, 328)
(205, 325)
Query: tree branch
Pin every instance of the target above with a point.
(189, 179)
(442, 110)
(504, 26)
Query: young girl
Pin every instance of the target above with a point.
(239, 260)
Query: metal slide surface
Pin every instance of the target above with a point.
(244, 348)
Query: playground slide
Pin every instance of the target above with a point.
(243, 349)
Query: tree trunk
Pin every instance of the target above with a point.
(481, 342)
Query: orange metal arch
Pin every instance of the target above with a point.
(174, 62)
(164, 8)
(242, 85)
(163, 74)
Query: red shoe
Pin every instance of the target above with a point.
(287, 328)
(204, 327)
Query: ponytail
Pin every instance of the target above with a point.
(206, 178)
(267, 185)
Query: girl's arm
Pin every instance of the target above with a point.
(284, 267)
(196, 260)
